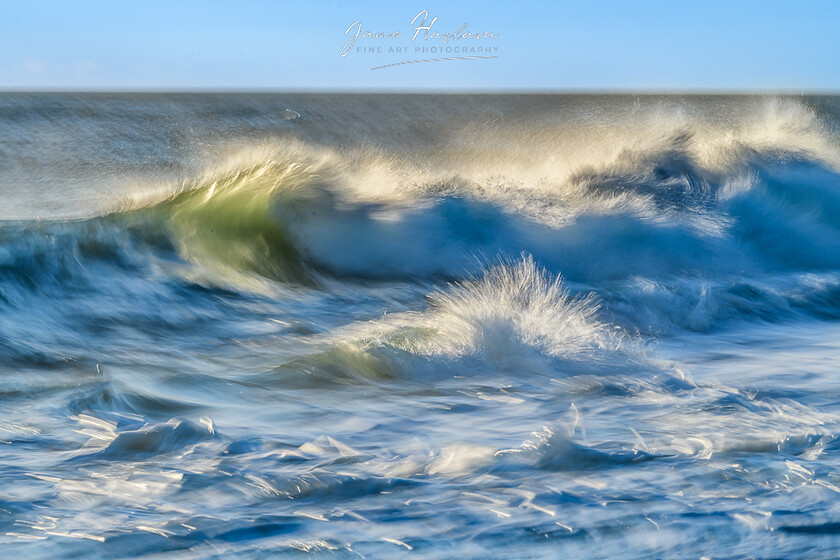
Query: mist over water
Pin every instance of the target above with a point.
(474, 326)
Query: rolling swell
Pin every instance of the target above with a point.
(746, 228)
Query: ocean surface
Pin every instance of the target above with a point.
(434, 326)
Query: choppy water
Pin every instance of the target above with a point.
(250, 326)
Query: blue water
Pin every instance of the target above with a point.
(384, 326)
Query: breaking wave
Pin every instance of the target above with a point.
(718, 221)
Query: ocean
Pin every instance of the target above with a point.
(435, 326)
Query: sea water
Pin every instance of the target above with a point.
(442, 326)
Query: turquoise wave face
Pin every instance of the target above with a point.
(498, 326)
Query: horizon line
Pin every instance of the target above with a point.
(421, 91)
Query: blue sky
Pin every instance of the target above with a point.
(560, 45)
